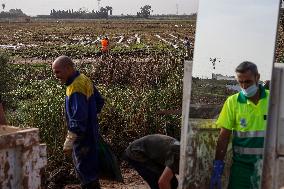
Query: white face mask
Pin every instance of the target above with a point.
(250, 91)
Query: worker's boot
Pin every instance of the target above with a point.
(92, 185)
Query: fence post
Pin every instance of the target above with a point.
(273, 161)
(186, 147)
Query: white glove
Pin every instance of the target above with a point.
(70, 138)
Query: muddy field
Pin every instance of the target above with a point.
(141, 80)
(145, 59)
(42, 40)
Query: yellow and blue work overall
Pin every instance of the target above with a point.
(247, 121)
(83, 102)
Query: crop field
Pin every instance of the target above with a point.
(81, 39)
(139, 79)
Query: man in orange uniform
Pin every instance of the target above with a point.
(105, 44)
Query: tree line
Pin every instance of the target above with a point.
(82, 13)
(104, 12)
(12, 13)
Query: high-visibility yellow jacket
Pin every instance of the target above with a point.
(247, 121)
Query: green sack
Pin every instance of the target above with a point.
(108, 165)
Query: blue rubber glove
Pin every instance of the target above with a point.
(216, 178)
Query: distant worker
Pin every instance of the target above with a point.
(186, 43)
(82, 104)
(244, 115)
(187, 46)
(105, 45)
(156, 159)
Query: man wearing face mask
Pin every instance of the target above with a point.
(243, 116)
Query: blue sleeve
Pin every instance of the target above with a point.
(78, 113)
(99, 100)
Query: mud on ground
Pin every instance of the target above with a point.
(131, 178)
(64, 177)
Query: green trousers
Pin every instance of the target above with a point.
(244, 177)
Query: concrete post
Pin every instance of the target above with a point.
(273, 161)
(186, 145)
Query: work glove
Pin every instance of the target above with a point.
(68, 144)
(216, 177)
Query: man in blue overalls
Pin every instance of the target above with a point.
(83, 102)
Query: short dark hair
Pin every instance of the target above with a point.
(247, 66)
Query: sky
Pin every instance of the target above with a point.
(36, 7)
(233, 32)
